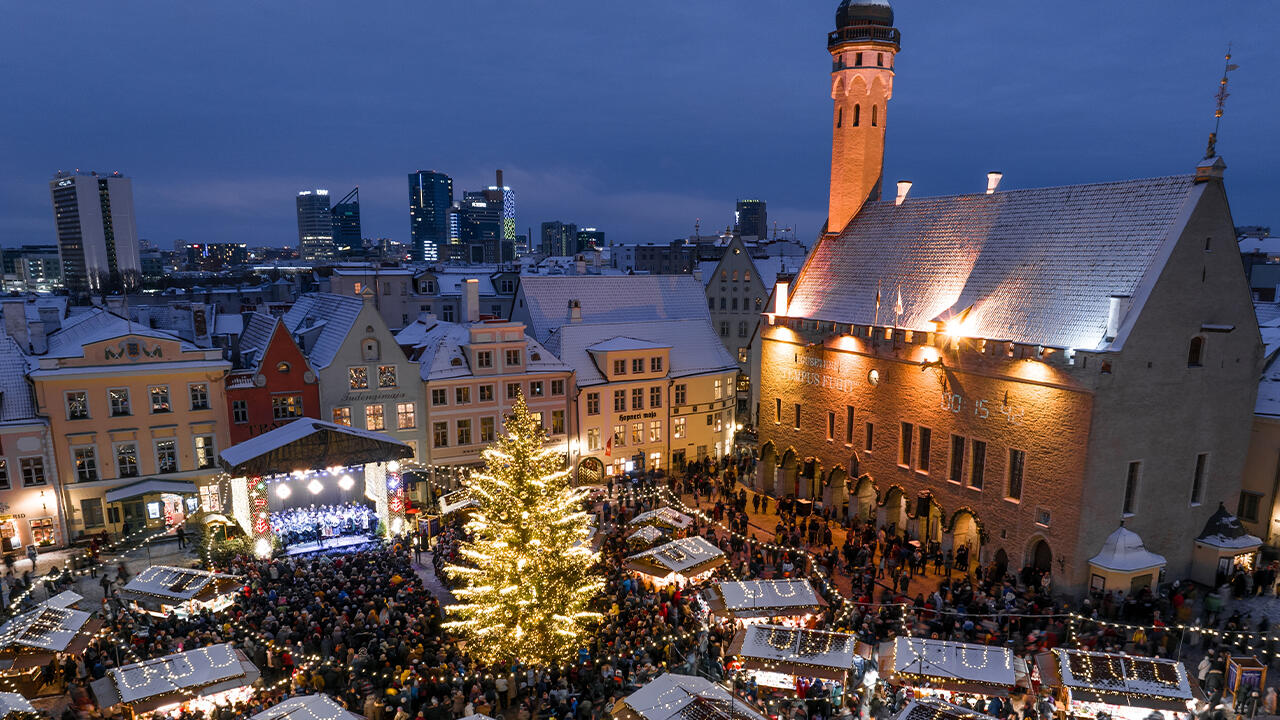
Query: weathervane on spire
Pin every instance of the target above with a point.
(1221, 97)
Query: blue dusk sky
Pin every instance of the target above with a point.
(635, 117)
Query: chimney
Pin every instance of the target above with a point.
(499, 178)
(575, 311)
(580, 265)
(115, 305)
(49, 316)
(39, 340)
(15, 322)
(993, 181)
(904, 187)
(144, 316)
(780, 291)
(1115, 315)
(471, 299)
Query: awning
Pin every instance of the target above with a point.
(149, 486)
(217, 519)
(309, 444)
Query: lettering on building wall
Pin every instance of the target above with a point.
(372, 397)
(637, 416)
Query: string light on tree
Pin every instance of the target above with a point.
(528, 578)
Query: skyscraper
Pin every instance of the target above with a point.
(590, 239)
(751, 219)
(346, 221)
(507, 199)
(97, 235)
(315, 226)
(480, 227)
(430, 200)
(559, 238)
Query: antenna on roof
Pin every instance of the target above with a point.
(1221, 97)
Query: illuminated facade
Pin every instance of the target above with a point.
(97, 233)
(430, 214)
(315, 226)
(1018, 372)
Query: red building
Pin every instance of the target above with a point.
(272, 382)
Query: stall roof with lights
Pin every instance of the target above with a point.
(934, 709)
(686, 556)
(1123, 680)
(180, 584)
(307, 707)
(764, 598)
(684, 697)
(963, 667)
(795, 651)
(46, 629)
(310, 444)
(174, 678)
(12, 703)
(663, 516)
(648, 534)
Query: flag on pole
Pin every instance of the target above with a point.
(608, 447)
(897, 306)
(877, 320)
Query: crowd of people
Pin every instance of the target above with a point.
(318, 523)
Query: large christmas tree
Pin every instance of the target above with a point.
(527, 578)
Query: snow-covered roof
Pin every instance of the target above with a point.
(439, 348)
(695, 347)
(663, 515)
(256, 336)
(1264, 245)
(98, 325)
(457, 500)
(614, 299)
(1268, 400)
(680, 556)
(648, 533)
(45, 627)
(686, 697)
(817, 648)
(16, 401)
(1224, 530)
(64, 599)
(626, 343)
(12, 702)
(962, 662)
(228, 324)
(1131, 675)
(1036, 266)
(273, 440)
(928, 708)
(767, 597)
(184, 671)
(174, 582)
(307, 707)
(1123, 551)
(329, 317)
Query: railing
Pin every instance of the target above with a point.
(864, 32)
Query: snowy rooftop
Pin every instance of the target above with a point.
(1224, 530)
(307, 707)
(174, 582)
(439, 348)
(962, 662)
(664, 516)
(46, 627)
(260, 445)
(747, 596)
(679, 556)
(328, 317)
(1123, 674)
(627, 343)
(1268, 400)
(800, 646)
(695, 347)
(614, 299)
(98, 325)
(182, 671)
(933, 709)
(12, 702)
(1036, 266)
(16, 402)
(686, 697)
(1123, 551)
(648, 533)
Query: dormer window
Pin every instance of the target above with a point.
(655, 364)
(619, 367)
(513, 358)
(282, 367)
(637, 365)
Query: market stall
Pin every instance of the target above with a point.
(792, 661)
(682, 697)
(1222, 549)
(163, 590)
(934, 709)
(13, 707)
(679, 561)
(791, 602)
(195, 680)
(307, 707)
(457, 501)
(665, 517)
(1122, 686)
(953, 671)
(1124, 564)
(32, 639)
(646, 536)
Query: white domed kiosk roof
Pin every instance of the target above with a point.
(1123, 551)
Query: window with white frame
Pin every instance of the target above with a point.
(126, 460)
(85, 461)
(160, 399)
(77, 405)
(677, 428)
(199, 396)
(206, 452)
(373, 418)
(406, 416)
(119, 400)
(166, 455)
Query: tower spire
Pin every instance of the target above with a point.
(1221, 97)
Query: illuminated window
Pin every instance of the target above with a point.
(462, 395)
(464, 431)
(593, 439)
(637, 434)
(655, 431)
(486, 429)
(386, 376)
(677, 428)
(619, 435)
(358, 378)
(282, 367)
(342, 416)
(406, 416)
(77, 405)
(286, 406)
(199, 396)
(486, 393)
(160, 399)
(373, 418)
(85, 460)
(206, 452)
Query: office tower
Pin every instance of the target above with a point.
(97, 235)
(590, 239)
(315, 226)
(559, 238)
(346, 220)
(480, 227)
(751, 219)
(430, 201)
(506, 197)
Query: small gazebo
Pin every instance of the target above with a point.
(1223, 547)
(1124, 563)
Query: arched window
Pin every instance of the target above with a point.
(735, 276)
(839, 117)
(282, 367)
(873, 116)
(746, 276)
(724, 275)
(1196, 352)
(857, 115)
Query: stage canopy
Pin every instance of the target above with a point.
(148, 486)
(309, 444)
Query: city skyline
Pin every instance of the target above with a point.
(684, 138)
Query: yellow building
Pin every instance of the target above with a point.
(137, 417)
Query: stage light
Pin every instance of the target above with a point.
(283, 492)
(393, 466)
(346, 482)
(396, 525)
(315, 486)
(262, 548)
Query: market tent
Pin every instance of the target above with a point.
(934, 709)
(310, 444)
(1112, 679)
(686, 557)
(173, 678)
(961, 667)
(679, 697)
(669, 517)
(216, 519)
(457, 501)
(646, 534)
(307, 707)
(764, 598)
(795, 651)
(148, 487)
(180, 584)
(11, 703)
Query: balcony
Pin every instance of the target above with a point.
(864, 33)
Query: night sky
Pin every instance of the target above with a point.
(634, 117)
